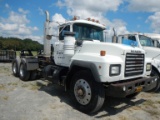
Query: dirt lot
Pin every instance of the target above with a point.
(40, 100)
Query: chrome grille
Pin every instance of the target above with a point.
(134, 64)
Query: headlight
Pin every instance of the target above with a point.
(148, 67)
(114, 70)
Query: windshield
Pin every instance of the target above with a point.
(156, 43)
(87, 32)
(129, 40)
(145, 41)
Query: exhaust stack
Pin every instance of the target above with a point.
(47, 36)
(114, 38)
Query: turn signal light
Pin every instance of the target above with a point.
(102, 53)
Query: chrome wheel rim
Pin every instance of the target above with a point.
(82, 91)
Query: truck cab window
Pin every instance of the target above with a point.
(133, 38)
(129, 40)
(87, 32)
(62, 30)
(145, 41)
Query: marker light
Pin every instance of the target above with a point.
(97, 21)
(93, 20)
(88, 19)
(102, 53)
(74, 18)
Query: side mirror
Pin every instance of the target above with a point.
(68, 33)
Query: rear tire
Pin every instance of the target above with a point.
(88, 94)
(155, 73)
(24, 74)
(33, 75)
(47, 72)
(15, 68)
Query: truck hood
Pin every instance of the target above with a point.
(152, 52)
(110, 48)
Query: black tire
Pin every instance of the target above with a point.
(155, 73)
(24, 74)
(94, 94)
(15, 70)
(33, 75)
(47, 72)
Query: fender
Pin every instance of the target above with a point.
(81, 65)
(31, 63)
(155, 65)
(88, 65)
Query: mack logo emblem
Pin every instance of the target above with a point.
(135, 51)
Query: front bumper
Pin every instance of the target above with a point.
(130, 87)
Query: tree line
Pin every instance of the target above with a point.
(18, 44)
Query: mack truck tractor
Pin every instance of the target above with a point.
(155, 38)
(150, 46)
(87, 67)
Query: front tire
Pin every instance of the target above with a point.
(24, 74)
(88, 94)
(155, 73)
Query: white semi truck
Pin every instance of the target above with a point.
(86, 66)
(155, 38)
(150, 46)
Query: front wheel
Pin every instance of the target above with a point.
(88, 94)
(155, 73)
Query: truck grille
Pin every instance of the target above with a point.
(134, 64)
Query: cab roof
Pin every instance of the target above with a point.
(131, 34)
(84, 22)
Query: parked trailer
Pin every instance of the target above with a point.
(7, 55)
(86, 66)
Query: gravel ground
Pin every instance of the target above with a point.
(40, 100)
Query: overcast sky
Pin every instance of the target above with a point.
(25, 18)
